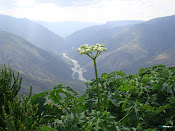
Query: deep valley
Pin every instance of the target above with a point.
(36, 52)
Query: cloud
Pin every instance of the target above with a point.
(24, 3)
(91, 10)
(64, 3)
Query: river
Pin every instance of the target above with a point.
(77, 69)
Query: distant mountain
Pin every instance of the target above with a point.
(37, 66)
(141, 45)
(66, 28)
(105, 34)
(32, 32)
(97, 33)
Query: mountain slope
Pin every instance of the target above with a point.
(142, 45)
(35, 64)
(32, 32)
(97, 33)
(105, 34)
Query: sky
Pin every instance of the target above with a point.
(87, 10)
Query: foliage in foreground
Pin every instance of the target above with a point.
(127, 102)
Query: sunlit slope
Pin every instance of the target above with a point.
(142, 45)
(105, 34)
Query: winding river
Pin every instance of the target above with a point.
(76, 69)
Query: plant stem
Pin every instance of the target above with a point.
(98, 90)
(173, 90)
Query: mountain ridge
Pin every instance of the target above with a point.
(33, 32)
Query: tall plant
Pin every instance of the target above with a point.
(15, 114)
(9, 88)
(89, 50)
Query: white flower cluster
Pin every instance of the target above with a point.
(86, 49)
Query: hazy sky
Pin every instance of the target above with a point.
(87, 10)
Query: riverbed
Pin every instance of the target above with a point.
(76, 69)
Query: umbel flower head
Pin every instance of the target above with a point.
(86, 49)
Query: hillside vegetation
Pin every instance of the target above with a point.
(144, 101)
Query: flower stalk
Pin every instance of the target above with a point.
(98, 90)
(88, 50)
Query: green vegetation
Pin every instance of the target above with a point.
(115, 101)
(128, 102)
